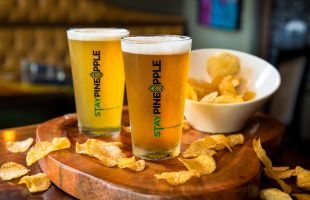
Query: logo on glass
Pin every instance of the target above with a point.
(158, 88)
(96, 74)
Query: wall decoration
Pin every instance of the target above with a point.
(223, 14)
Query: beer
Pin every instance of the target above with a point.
(98, 78)
(156, 69)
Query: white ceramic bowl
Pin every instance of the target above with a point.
(263, 78)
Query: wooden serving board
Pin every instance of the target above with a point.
(236, 177)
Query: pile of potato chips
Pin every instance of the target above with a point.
(280, 173)
(197, 158)
(110, 154)
(38, 182)
(226, 86)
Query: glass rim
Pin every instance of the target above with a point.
(98, 28)
(133, 39)
(96, 33)
(156, 44)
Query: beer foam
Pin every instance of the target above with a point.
(96, 34)
(157, 45)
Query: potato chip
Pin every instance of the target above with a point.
(223, 64)
(132, 164)
(81, 148)
(190, 93)
(302, 196)
(226, 87)
(286, 173)
(216, 81)
(278, 169)
(36, 183)
(206, 146)
(42, 149)
(107, 152)
(118, 144)
(192, 82)
(243, 85)
(282, 174)
(209, 98)
(249, 95)
(235, 139)
(186, 126)
(228, 99)
(273, 194)
(61, 143)
(204, 164)
(105, 160)
(38, 151)
(177, 178)
(127, 129)
(11, 170)
(201, 88)
(303, 178)
(198, 148)
(261, 154)
(236, 81)
(221, 142)
(19, 146)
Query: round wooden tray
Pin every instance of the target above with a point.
(236, 176)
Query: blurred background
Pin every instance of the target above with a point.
(35, 76)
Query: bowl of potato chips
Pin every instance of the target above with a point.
(225, 88)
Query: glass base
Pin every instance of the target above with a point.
(96, 132)
(156, 154)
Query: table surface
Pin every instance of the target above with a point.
(11, 88)
(11, 190)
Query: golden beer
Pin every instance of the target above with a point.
(98, 78)
(156, 70)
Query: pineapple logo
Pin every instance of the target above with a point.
(156, 88)
(96, 74)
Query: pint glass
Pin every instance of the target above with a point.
(156, 70)
(98, 78)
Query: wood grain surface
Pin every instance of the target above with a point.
(236, 176)
(10, 190)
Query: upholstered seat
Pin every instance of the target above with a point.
(36, 29)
